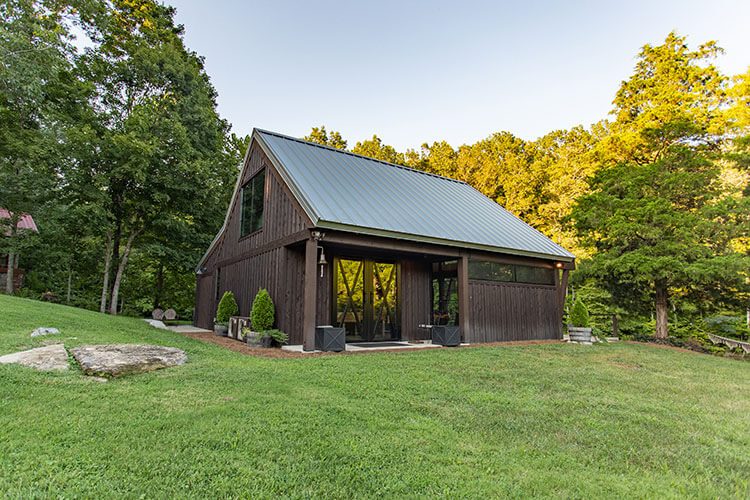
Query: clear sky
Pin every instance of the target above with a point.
(418, 71)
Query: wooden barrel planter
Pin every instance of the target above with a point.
(579, 334)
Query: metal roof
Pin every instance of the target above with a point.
(342, 190)
(26, 221)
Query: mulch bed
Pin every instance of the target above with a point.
(243, 348)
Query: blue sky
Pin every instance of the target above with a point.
(419, 71)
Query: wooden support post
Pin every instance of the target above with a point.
(310, 295)
(562, 292)
(464, 320)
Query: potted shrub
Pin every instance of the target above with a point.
(256, 339)
(261, 320)
(226, 309)
(265, 338)
(578, 326)
(277, 337)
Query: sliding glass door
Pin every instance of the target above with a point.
(366, 299)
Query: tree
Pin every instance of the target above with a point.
(565, 163)
(738, 120)
(319, 135)
(667, 227)
(675, 95)
(374, 148)
(661, 219)
(156, 131)
(35, 87)
(498, 167)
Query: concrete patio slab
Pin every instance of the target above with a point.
(188, 329)
(354, 348)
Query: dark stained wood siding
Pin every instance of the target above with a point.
(259, 260)
(324, 311)
(204, 294)
(512, 311)
(281, 214)
(415, 295)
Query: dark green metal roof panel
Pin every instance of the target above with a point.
(341, 189)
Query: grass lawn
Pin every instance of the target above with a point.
(543, 420)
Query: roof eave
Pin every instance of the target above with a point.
(288, 180)
(257, 136)
(337, 226)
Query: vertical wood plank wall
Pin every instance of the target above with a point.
(512, 311)
(280, 270)
(204, 294)
(323, 314)
(416, 299)
(281, 217)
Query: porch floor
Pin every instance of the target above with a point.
(387, 346)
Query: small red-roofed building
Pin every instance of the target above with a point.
(9, 269)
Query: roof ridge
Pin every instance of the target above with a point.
(347, 152)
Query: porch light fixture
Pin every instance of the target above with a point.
(559, 265)
(322, 261)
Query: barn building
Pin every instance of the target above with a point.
(9, 262)
(379, 249)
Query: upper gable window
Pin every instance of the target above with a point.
(251, 219)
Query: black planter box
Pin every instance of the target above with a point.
(330, 338)
(449, 336)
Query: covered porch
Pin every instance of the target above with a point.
(381, 290)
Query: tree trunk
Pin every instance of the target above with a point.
(10, 276)
(116, 241)
(662, 326)
(120, 272)
(105, 281)
(615, 326)
(159, 288)
(70, 283)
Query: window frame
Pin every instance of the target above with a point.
(253, 183)
(514, 268)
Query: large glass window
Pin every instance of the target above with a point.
(491, 271)
(494, 271)
(537, 275)
(252, 204)
(445, 293)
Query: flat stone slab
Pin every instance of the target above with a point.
(156, 323)
(114, 360)
(47, 358)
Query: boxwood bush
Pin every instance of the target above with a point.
(579, 315)
(263, 312)
(227, 308)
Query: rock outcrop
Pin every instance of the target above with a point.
(44, 330)
(47, 358)
(114, 360)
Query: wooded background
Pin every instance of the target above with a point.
(118, 152)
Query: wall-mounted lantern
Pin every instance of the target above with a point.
(322, 261)
(317, 236)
